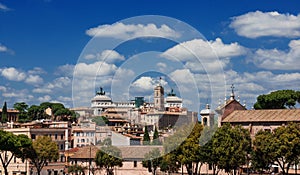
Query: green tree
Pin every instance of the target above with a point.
(280, 99)
(286, 146)
(77, 169)
(4, 113)
(109, 157)
(43, 150)
(12, 146)
(231, 145)
(22, 107)
(100, 120)
(152, 160)
(262, 154)
(35, 112)
(169, 163)
(146, 137)
(156, 140)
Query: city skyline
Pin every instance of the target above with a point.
(42, 42)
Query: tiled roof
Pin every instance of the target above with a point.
(137, 152)
(85, 152)
(272, 115)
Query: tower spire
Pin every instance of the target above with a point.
(232, 92)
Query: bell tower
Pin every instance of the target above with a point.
(207, 116)
(159, 98)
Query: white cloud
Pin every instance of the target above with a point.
(34, 79)
(277, 59)
(3, 88)
(91, 70)
(3, 48)
(199, 54)
(204, 50)
(13, 74)
(37, 70)
(89, 56)
(65, 70)
(41, 90)
(126, 31)
(45, 98)
(258, 24)
(4, 7)
(110, 56)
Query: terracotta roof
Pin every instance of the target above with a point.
(84, 152)
(137, 152)
(272, 115)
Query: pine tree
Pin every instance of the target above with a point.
(146, 138)
(4, 113)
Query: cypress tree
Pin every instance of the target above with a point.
(146, 138)
(4, 113)
(156, 140)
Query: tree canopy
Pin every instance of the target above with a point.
(152, 160)
(100, 120)
(43, 150)
(108, 157)
(4, 113)
(279, 99)
(13, 146)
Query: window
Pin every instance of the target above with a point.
(55, 136)
(77, 134)
(82, 140)
(33, 136)
(61, 158)
(78, 140)
(62, 147)
(61, 136)
(135, 163)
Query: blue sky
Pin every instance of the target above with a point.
(252, 44)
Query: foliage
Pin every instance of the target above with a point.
(108, 157)
(22, 107)
(17, 145)
(100, 120)
(152, 160)
(262, 155)
(36, 112)
(76, 169)
(169, 163)
(184, 145)
(279, 99)
(146, 137)
(43, 150)
(4, 113)
(156, 140)
(231, 146)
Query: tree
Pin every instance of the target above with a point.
(100, 120)
(76, 169)
(169, 163)
(146, 137)
(4, 113)
(156, 140)
(280, 99)
(231, 145)
(22, 107)
(152, 160)
(43, 150)
(108, 157)
(262, 154)
(16, 145)
(286, 146)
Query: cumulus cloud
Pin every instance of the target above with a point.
(125, 31)
(275, 59)
(37, 71)
(258, 24)
(110, 56)
(45, 98)
(3, 48)
(198, 54)
(13, 74)
(65, 70)
(34, 79)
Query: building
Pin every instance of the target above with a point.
(207, 116)
(58, 131)
(12, 115)
(84, 134)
